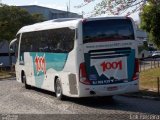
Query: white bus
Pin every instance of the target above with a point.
(79, 57)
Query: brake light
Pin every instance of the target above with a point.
(127, 17)
(84, 21)
(136, 70)
(83, 75)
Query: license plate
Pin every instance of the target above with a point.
(112, 88)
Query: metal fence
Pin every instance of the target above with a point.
(148, 64)
(149, 82)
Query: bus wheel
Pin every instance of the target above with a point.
(24, 81)
(58, 89)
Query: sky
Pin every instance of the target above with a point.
(61, 5)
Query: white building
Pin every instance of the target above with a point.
(142, 38)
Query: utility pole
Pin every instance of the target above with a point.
(68, 8)
(83, 14)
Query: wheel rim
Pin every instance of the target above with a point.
(58, 88)
(24, 79)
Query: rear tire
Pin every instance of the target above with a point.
(58, 89)
(25, 82)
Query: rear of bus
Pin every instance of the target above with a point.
(108, 63)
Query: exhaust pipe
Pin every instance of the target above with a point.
(92, 93)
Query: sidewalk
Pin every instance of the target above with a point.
(145, 94)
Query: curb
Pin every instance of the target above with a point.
(144, 97)
(9, 78)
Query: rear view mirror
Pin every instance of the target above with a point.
(12, 45)
(11, 49)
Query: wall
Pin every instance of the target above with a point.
(4, 54)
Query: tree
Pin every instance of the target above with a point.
(116, 7)
(37, 17)
(150, 17)
(12, 18)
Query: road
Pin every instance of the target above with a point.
(15, 99)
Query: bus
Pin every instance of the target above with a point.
(79, 57)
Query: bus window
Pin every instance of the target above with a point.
(55, 40)
(108, 30)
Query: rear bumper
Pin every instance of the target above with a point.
(102, 90)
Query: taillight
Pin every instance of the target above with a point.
(83, 75)
(84, 21)
(127, 17)
(136, 70)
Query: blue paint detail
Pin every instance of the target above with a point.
(91, 70)
(110, 56)
(131, 64)
(55, 61)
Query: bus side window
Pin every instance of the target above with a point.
(59, 40)
(16, 46)
(69, 39)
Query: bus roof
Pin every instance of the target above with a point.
(56, 23)
(61, 22)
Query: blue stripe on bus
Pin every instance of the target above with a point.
(131, 64)
(54, 61)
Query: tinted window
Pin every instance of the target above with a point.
(55, 40)
(108, 30)
(28, 42)
(17, 43)
(15, 46)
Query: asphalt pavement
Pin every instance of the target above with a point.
(19, 102)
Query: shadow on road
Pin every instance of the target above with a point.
(116, 103)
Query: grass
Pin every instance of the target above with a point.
(148, 83)
(148, 79)
(6, 74)
(3, 73)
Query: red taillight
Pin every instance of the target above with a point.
(84, 21)
(136, 70)
(127, 17)
(83, 75)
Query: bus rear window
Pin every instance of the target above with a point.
(107, 30)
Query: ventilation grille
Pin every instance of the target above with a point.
(109, 53)
(73, 84)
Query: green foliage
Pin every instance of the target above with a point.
(143, 47)
(12, 18)
(37, 17)
(150, 18)
(145, 44)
